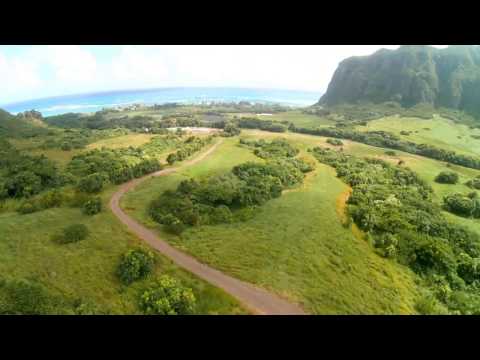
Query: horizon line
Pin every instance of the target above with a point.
(150, 89)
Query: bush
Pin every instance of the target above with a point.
(93, 206)
(167, 297)
(28, 207)
(474, 183)
(447, 177)
(136, 264)
(390, 153)
(25, 297)
(463, 205)
(335, 142)
(92, 183)
(71, 234)
(171, 158)
(173, 224)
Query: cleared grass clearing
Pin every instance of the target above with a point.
(296, 246)
(123, 141)
(437, 131)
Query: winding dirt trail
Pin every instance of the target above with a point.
(255, 299)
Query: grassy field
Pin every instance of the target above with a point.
(437, 131)
(296, 246)
(87, 269)
(134, 140)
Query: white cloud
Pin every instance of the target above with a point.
(135, 66)
(41, 71)
(72, 64)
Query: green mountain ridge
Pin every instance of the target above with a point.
(410, 75)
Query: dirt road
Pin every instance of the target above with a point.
(255, 299)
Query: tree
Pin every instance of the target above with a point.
(171, 158)
(134, 265)
(92, 206)
(92, 183)
(167, 297)
(447, 177)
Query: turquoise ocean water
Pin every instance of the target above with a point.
(188, 95)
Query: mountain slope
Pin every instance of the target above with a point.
(410, 75)
(25, 125)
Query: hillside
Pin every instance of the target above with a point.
(410, 75)
(26, 125)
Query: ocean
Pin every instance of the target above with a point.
(92, 102)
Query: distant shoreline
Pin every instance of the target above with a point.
(92, 102)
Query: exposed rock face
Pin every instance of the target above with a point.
(410, 75)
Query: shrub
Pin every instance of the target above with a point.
(447, 177)
(462, 205)
(173, 224)
(24, 297)
(28, 207)
(171, 158)
(134, 265)
(71, 234)
(335, 142)
(427, 304)
(92, 183)
(93, 206)
(390, 153)
(167, 297)
(51, 199)
(474, 183)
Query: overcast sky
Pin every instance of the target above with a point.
(28, 72)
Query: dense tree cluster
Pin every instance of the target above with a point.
(447, 177)
(23, 175)
(335, 142)
(387, 140)
(274, 149)
(395, 209)
(266, 125)
(190, 146)
(467, 205)
(232, 196)
(96, 167)
(231, 129)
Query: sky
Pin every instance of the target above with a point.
(30, 72)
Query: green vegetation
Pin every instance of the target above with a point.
(167, 297)
(388, 140)
(287, 247)
(190, 146)
(71, 234)
(135, 265)
(220, 198)
(474, 183)
(467, 205)
(447, 177)
(395, 209)
(335, 142)
(410, 75)
(92, 206)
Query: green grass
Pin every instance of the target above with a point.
(123, 141)
(87, 269)
(296, 246)
(437, 131)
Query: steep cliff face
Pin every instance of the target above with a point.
(410, 75)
